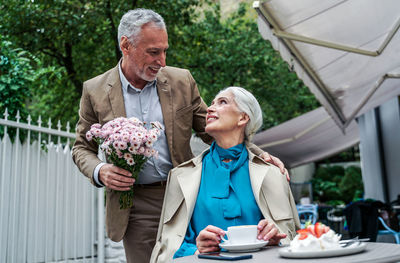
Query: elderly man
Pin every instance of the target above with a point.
(141, 85)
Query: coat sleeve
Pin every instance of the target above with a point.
(289, 226)
(84, 153)
(188, 246)
(276, 200)
(199, 113)
(157, 249)
(162, 252)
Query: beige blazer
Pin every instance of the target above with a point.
(271, 191)
(102, 100)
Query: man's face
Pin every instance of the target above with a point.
(144, 58)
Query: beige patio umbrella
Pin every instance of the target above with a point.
(347, 53)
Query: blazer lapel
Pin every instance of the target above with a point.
(114, 90)
(164, 93)
(257, 176)
(189, 182)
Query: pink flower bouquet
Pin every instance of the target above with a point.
(127, 144)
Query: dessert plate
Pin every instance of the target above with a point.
(243, 247)
(351, 249)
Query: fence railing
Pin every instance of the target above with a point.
(48, 211)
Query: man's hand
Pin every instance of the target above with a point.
(268, 231)
(208, 239)
(275, 161)
(116, 178)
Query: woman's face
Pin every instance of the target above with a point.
(223, 115)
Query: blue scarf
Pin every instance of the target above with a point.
(223, 173)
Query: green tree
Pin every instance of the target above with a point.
(351, 186)
(63, 34)
(79, 40)
(325, 183)
(232, 53)
(333, 184)
(20, 74)
(16, 75)
(77, 37)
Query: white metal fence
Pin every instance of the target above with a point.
(48, 210)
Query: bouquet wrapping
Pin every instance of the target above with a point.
(127, 144)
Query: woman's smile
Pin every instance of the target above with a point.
(211, 118)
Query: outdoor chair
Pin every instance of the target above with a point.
(336, 218)
(307, 213)
(388, 230)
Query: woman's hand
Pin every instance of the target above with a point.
(268, 231)
(208, 239)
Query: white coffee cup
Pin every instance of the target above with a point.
(245, 234)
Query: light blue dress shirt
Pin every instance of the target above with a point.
(145, 105)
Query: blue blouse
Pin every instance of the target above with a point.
(225, 195)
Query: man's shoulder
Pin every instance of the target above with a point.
(102, 78)
(169, 71)
(261, 164)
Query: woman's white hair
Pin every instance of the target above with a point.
(132, 21)
(248, 104)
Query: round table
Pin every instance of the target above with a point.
(374, 252)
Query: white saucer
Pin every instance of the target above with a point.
(243, 247)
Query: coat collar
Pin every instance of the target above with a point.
(196, 161)
(189, 177)
(257, 175)
(114, 91)
(164, 94)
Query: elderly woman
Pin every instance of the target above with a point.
(225, 186)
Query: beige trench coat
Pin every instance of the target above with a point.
(271, 191)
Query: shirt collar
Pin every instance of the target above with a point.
(125, 83)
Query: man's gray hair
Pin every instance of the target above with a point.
(132, 21)
(248, 104)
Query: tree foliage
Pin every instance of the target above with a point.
(77, 37)
(15, 76)
(78, 40)
(232, 53)
(19, 72)
(336, 185)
